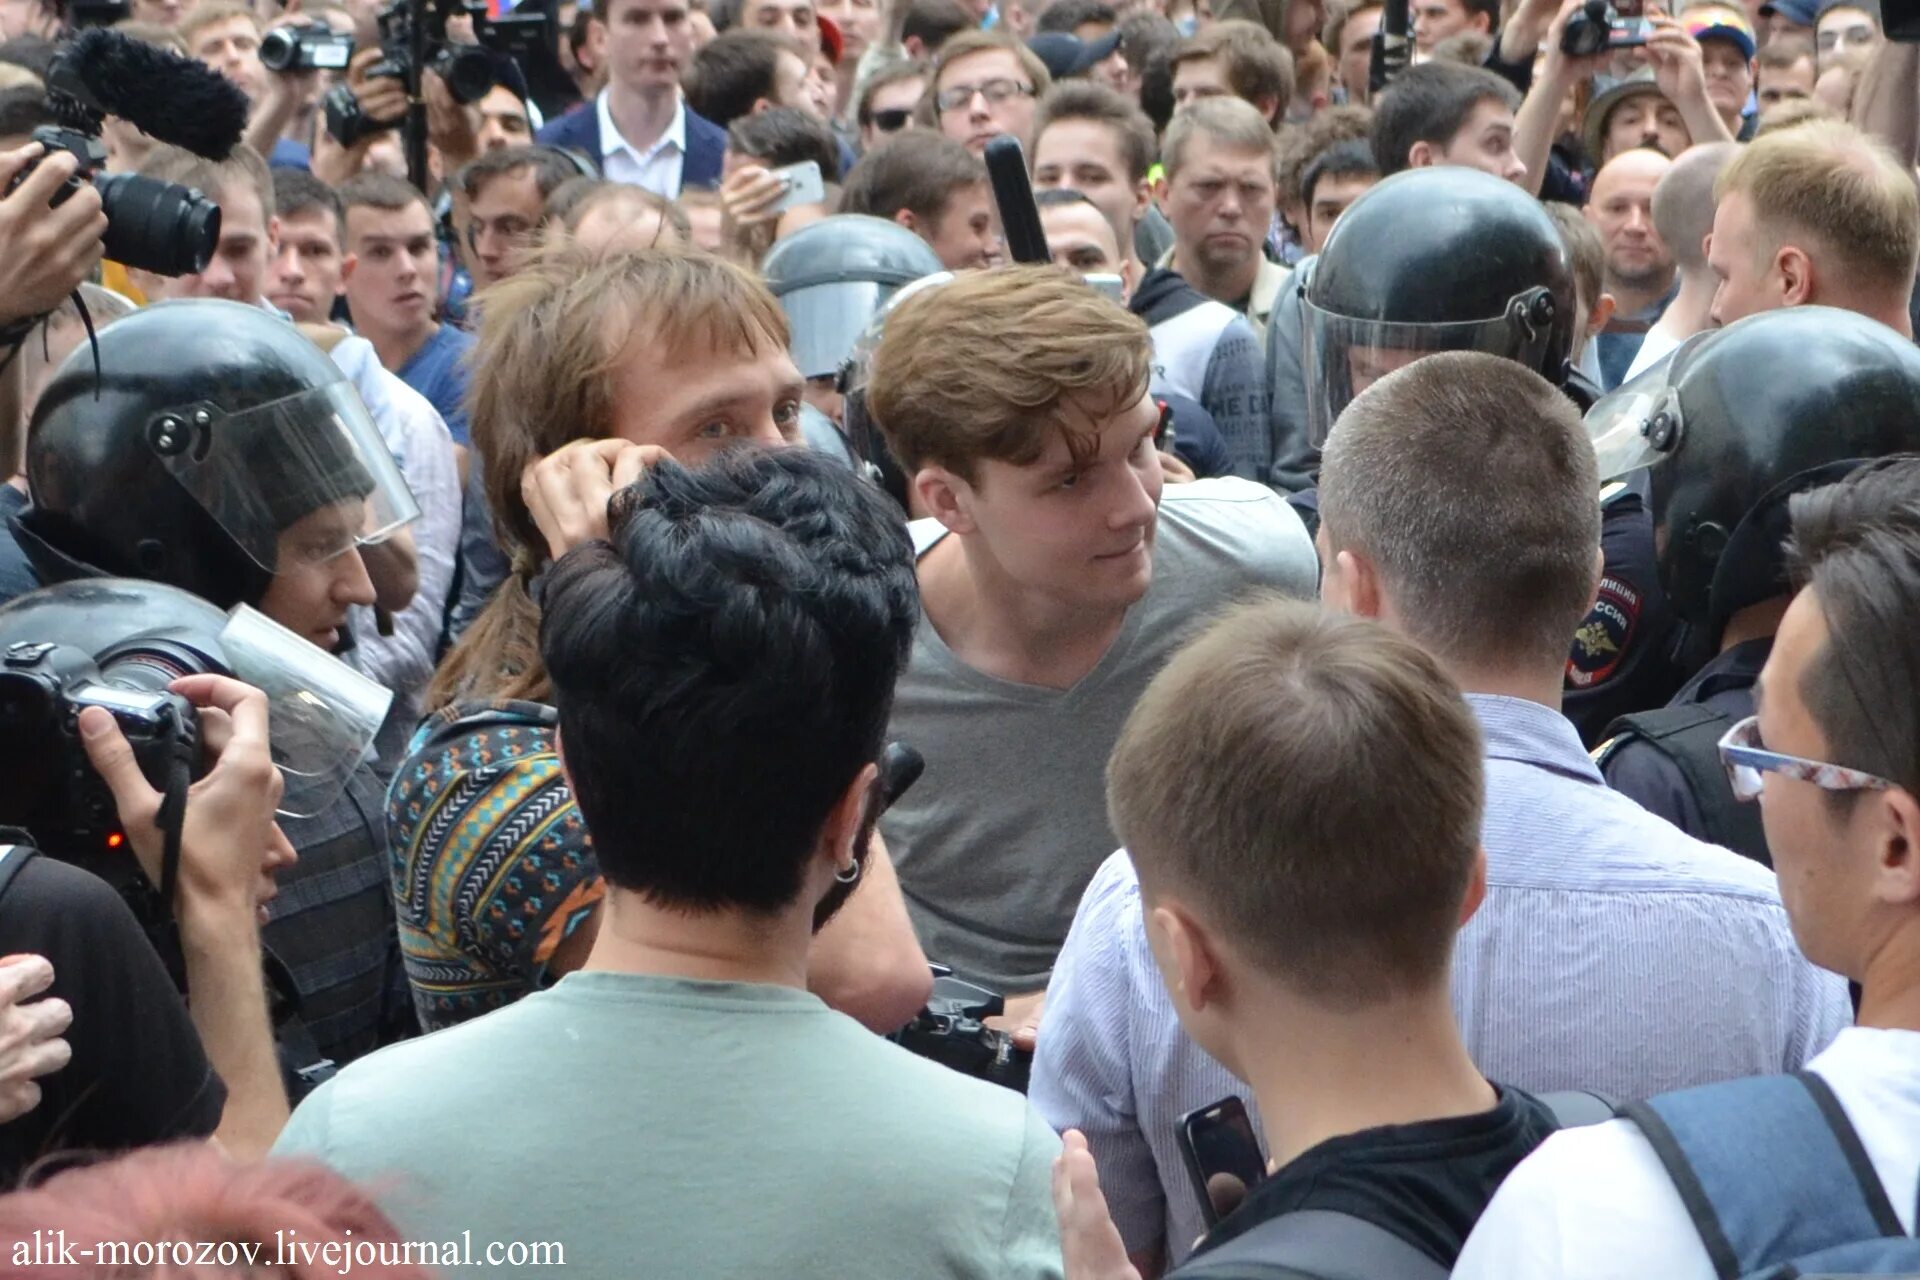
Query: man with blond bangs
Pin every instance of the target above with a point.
(1819, 215)
(589, 369)
(1056, 577)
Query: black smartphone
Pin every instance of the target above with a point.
(1218, 1138)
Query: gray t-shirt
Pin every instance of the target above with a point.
(663, 1127)
(999, 837)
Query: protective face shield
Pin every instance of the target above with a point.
(832, 277)
(143, 635)
(1344, 355)
(262, 470)
(857, 369)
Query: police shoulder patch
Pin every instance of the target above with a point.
(1601, 643)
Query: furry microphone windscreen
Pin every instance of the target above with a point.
(170, 97)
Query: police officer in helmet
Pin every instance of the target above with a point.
(215, 449)
(1741, 419)
(1452, 259)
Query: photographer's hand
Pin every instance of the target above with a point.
(450, 127)
(1680, 72)
(228, 842)
(46, 250)
(1090, 1245)
(567, 491)
(30, 1031)
(286, 93)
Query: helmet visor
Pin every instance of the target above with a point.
(1344, 355)
(858, 366)
(322, 713)
(307, 475)
(827, 319)
(1638, 423)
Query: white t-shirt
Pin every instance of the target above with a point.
(1596, 1202)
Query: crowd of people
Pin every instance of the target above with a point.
(617, 670)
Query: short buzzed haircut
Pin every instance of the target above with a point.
(24, 109)
(1430, 103)
(1499, 575)
(734, 70)
(1856, 545)
(917, 170)
(1230, 122)
(934, 22)
(1837, 191)
(1070, 15)
(296, 191)
(1683, 202)
(373, 189)
(1253, 63)
(1085, 100)
(1311, 785)
(242, 169)
(550, 168)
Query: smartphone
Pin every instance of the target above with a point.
(1111, 285)
(804, 185)
(1629, 33)
(1218, 1138)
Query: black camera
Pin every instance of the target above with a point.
(154, 226)
(49, 787)
(309, 48)
(469, 70)
(1596, 28)
(951, 1031)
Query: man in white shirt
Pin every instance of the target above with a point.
(1838, 778)
(639, 129)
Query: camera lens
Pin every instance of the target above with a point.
(468, 71)
(278, 48)
(157, 226)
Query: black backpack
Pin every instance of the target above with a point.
(1323, 1244)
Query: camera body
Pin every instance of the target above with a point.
(469, 70)
(49, 786)
(154, 226)
(1596, 27)
(308, 48)
(950, 1031)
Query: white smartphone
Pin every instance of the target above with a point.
(804, 185)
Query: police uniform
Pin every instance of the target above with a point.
(1669, 759)
(1625, 652)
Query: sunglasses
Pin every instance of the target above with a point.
(892, 120)
(1747, 763)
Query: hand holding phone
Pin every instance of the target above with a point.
(803, 183)
(1217, 1140)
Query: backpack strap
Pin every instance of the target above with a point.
(1768, 1167)
(1313, 1244)
(12, 858)
(1688, 737)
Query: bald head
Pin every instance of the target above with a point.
(1683, 202)
(1621, 210)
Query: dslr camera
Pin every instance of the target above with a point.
(467, 69)
(951, 1030)
(155, 226)
(305, 48)
(1595, 28)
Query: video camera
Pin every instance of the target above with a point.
(306, 48)
(951, 1030)
(469, 70)
(1597, 27)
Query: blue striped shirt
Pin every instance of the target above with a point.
(1612, 952)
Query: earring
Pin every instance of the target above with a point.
(848, 874)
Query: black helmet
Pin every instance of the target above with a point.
(209, 429)
(834, 275)
(1739, 420)
(1435, 259)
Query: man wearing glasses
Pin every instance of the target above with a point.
(505, 193)
(887, 100)
(1833, 759)
(986, 84)
(1751, 434)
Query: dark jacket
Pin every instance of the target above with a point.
(579, 130)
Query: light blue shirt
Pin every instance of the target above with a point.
(1613, 952)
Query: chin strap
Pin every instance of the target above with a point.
(14, 336)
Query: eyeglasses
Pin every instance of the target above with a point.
(1859, 35)
(1747, 761)
(994, 91)
(892, 120)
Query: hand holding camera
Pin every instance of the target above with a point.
(230, 845)
(50, 231)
